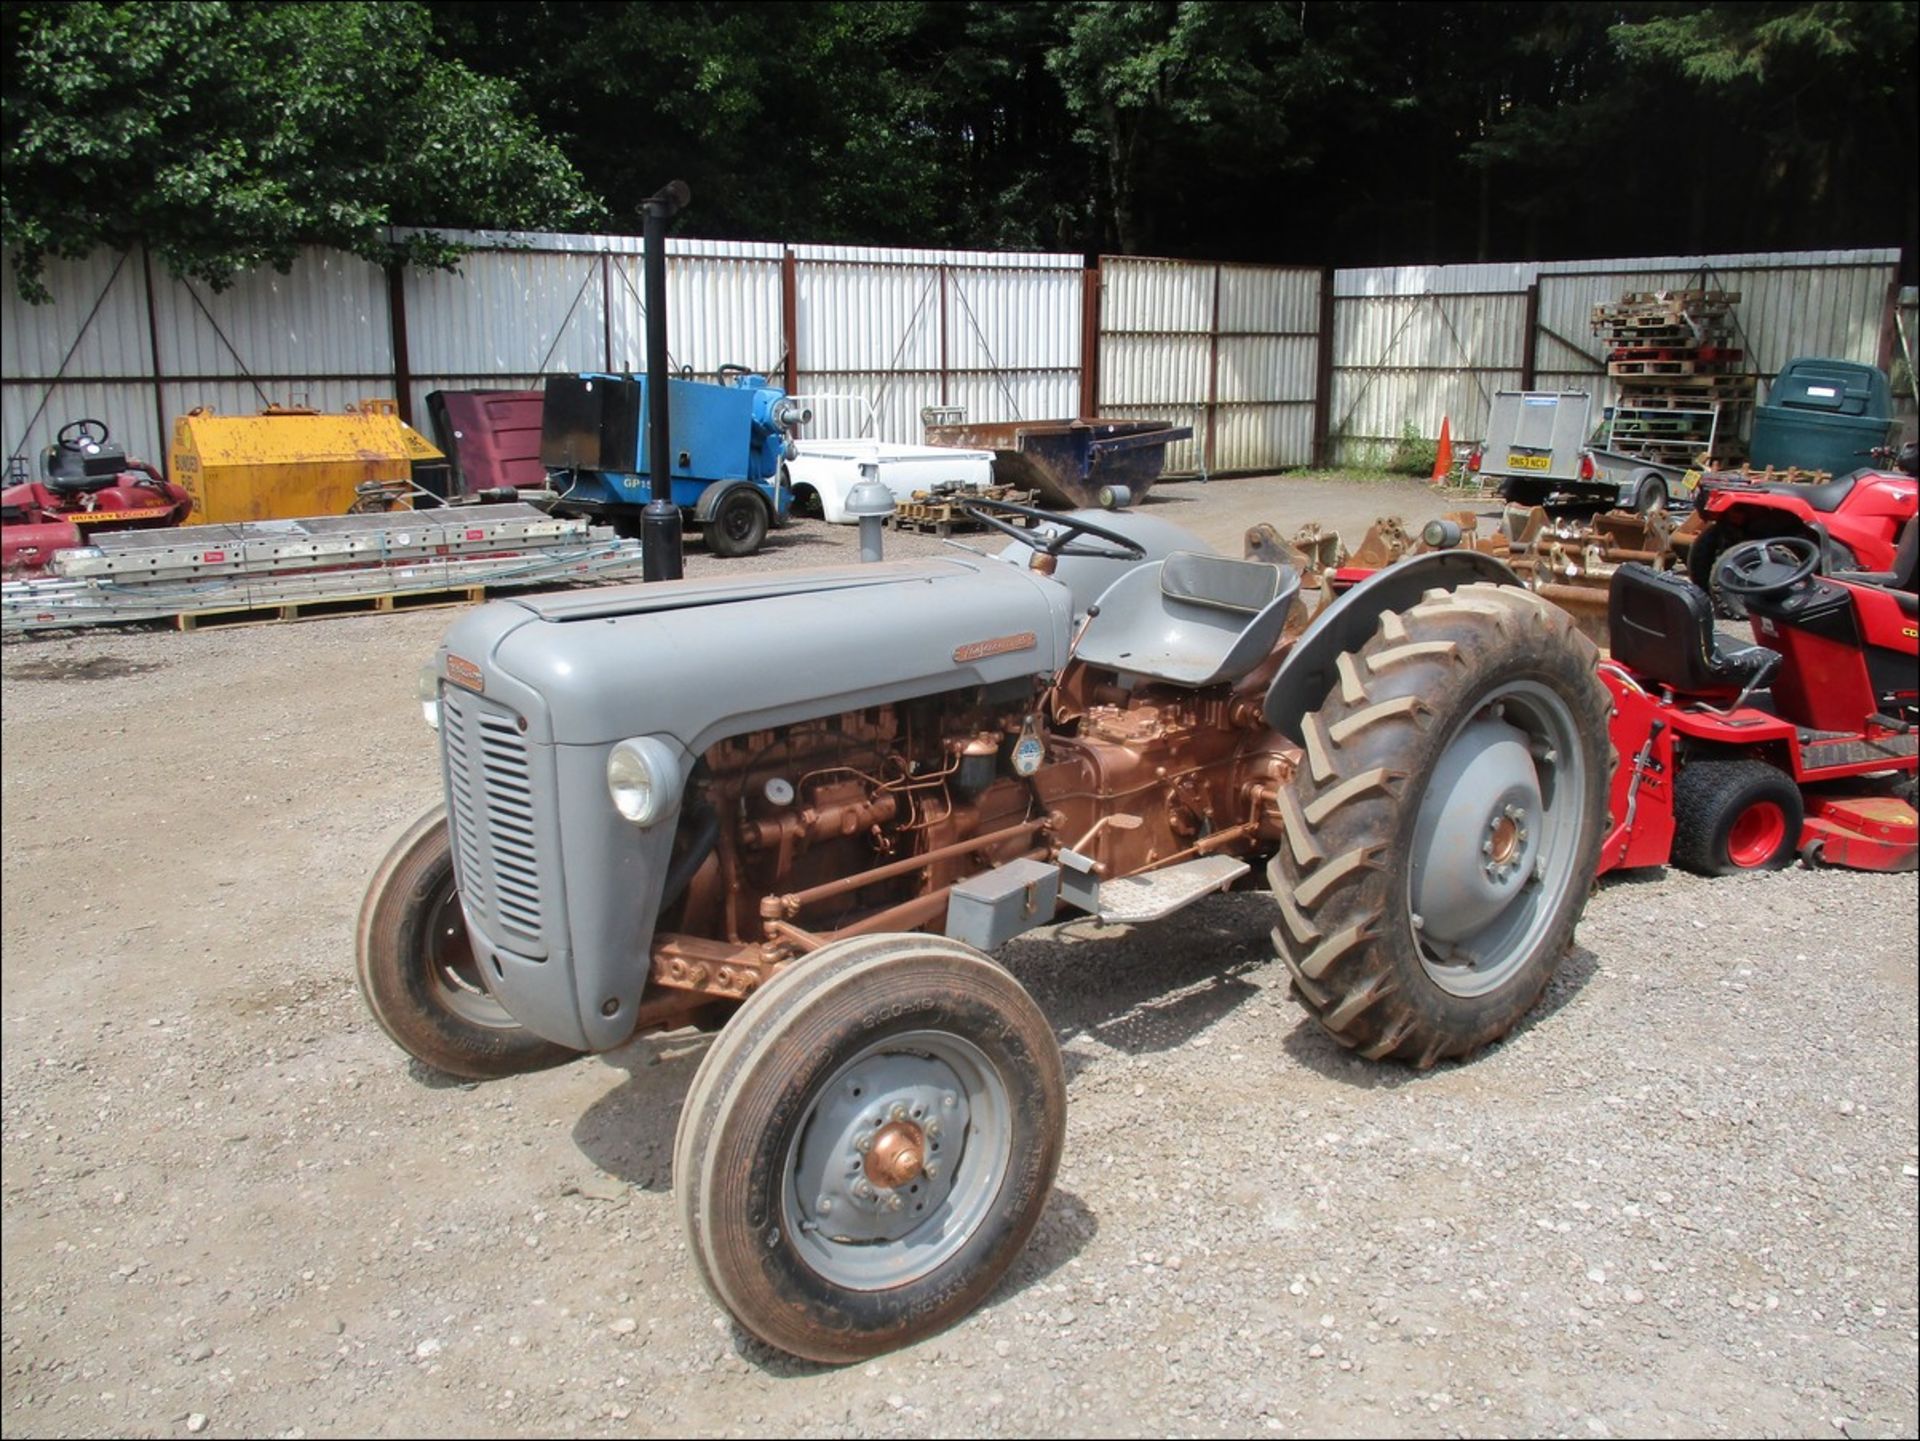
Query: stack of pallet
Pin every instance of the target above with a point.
(938, 512)
(1681, 390)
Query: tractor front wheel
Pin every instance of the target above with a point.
(1735, 815)
(418, 973)
(1443, 827)
(868, 1145)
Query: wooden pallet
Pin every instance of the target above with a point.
(319, 609)
(1668, 297)
(1717, 354)
(1670, 424)
(1642, 304)
(942, 516)
(1698, 388)
(1661, 368)
(1632, 399)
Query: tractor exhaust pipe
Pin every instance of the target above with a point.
(661, 207)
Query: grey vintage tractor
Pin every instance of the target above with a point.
(804, 807)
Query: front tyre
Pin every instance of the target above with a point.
(1735, 815)
(1444, 826)
(418, 973)
(868, 1145)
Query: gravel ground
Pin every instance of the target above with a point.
(1680, 1200)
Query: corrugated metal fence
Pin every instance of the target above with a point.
(1272, 366)
(1415, 344)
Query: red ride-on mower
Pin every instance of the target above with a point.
(89, 486)
(1739, 759)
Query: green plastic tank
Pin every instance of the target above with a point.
(1823, 415)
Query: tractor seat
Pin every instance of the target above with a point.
(1825, 497)
(1191, 619)
(1660, 627)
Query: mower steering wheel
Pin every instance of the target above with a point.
(83, 432)
(1768, 567)
(1119, 547)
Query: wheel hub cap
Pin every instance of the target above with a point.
(1496, 839)
(1476, 825)
(895, 1155)
(898, 1160)
(1506, 844)
(878, 1155)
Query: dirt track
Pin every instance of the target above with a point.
(1681, 1200)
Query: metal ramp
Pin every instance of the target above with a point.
(286, 564)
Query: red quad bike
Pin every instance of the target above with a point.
(89, 486)
(1737, 760)
(1856, 519)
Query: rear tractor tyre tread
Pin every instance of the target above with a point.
(1709, 796)
(1344, 933)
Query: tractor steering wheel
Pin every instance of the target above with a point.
(78, 434)
(1119, 547)
(1768, 567)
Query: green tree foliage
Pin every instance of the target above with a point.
(1172, 93)
(906, 123)
(1349, 132)
(226, 135)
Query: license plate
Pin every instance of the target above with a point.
(1529, 462)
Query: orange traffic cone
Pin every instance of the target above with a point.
(1443, 457)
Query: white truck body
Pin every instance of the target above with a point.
(824, 471)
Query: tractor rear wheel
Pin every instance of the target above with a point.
(868, 1145)
(1735, 815)
(1443, 827)
(417, 970)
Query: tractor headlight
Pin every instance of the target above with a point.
(430, 694)
(643, 778)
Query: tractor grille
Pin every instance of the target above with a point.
(490, 796)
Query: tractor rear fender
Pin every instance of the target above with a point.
(1307, 674)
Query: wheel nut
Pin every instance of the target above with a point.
(823, 1205)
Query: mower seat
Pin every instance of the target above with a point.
(1660, 627)
(79, 484)
(1191, 619)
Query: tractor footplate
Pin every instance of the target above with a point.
(1161, 893)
